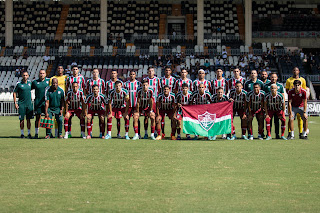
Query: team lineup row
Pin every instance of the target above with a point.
(63, 97)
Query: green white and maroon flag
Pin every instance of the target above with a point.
(208, 119)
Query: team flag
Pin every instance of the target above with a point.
(208, 119)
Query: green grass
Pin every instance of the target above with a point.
(157, 176)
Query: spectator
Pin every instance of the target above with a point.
(207, 64)
(74, 63)
(17, 72)
(191, 56)
(224, 54)
(46, 58)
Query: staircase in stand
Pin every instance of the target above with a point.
(62, 22)
(241, 21)
(162, 25)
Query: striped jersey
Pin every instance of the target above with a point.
(144, 98)
(183, 99)
(167, 81)
(75, 99)
(238, 99)
(132, 88)
(118, 99)
(197, 98)
(255, 100)
(274, 102)
(110, 86)
(216, 99)
(166, 102)
(154, 84)
(100, 82)
(223, 83)
(232, 82)
(96, 103)
(179, 82)
(196, 83)
(80, 79)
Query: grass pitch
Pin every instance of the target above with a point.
(157, 176)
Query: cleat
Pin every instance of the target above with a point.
(278, 137)
(206, 138)
(47, 137)
(304, 137)
(36, 136)
(127, 137)
(224, 136)
(210, 138)
(60, 137)
(178, 137)
(244, 137)
(189, 137)
(107, 137)
(155, 134)
(89, 137)
(159, 137)
(260, 137)
(100, 136)
(153, 138)
(232, 138)
(290, 137)
(195, 137)
(66, 136)
(136, 137)
(119, 137)
(283, 138)
(268, 138)
(83, 136)
(21, 136)
(251, 137)
(213, 138)
(29, 136)
(173, 137)
(145, 136)
(69, 136)
(300, 135)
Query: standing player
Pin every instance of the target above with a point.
(264, 77)
(201, 80)
(154, 84)
(274, 105)
(297, 104)
(182, 99)
(39, 86)
(238, 96)
(183, 80)
(118, 99)
(95, 80)
(54, 97)
(144, 107)
(24, 105)
(267, 89)
(74, 106)
(255, 105)
(166, 104)
(132, 86)
(249, 85)
(289, 86)
(110, 85)
(219, 82)
(96, 104)
(236, 77)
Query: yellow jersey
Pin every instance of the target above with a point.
(61, 81)
(289, 83)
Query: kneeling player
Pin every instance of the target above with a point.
(182, 99)
(95, 104)
(255, 101)
(238, 96)
(144, 107)
(118, 99)
(274, 105)
(166, 105)
(74, 103)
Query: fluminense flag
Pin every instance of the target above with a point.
(208, 119)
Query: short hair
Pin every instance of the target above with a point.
(75, 82)
(132, 71)
(184, 69)
(167, 67)
(254, 70)
(297, 82)
(117, 82)
(114, 71)
(220, 88)
(42, 69)
(151, 67)
(95, 85)
(273, 85)
(166, 86)
(219, 69)
(95, 69)
(273, 73)
(255, 84)
(145, 81)
(264, 71)
(185, 85)
(238, 82)
(74, 66)
(23, 71)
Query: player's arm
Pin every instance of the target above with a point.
(15, 100)
(151, 104)
(83, 102)
(127, 100)
(109, 114)
(138, 105)
(46, 109)
(62, 105)
(157, 108)
(266, 109)
(290, 108)
(67, 103)
(287, 86)
(305, 108)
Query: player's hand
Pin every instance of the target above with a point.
(110, 115)
(61, 113)
(47, 115)
(244, 117)
(179, 105)
(230, 100)
(16, 106)
(290, 116)
(305, 115)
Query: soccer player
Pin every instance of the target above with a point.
(39, 86)
(201, 80)
(144, 107)
(274, 105)
(54, 97)
(289, 86)
(95, 104)
(183, 80)
(255, 100)
(238, 96)
(132, 86)
(249, 85)
(95, 80)
(24, 105)
(236, 77)
(166, 104)
(62, 83)
(110, 85)
(219, 82)
(264, 77)
(74, 103)
(297, 104)
(267, 89)
(118, 99)
(154, 84)
(182, 99)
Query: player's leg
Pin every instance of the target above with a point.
(48, 131)
(66, 124)
(22, 113)
(59, 119)
(118, 128)
(260, 117)
(244, 124)
(139, 128)
(158, 126)
(29, 116)
(89, 126)
(153, 124)
(136, 125)
(145, 127)
(276, 126)
(291, 126)
(126, 127)
(305, 126)
(173, 126)
(250, 119)
(29, 128)
(281, 116)
(268, 124)
(82, 125)
(300, 123)
(109, 126)
(162, 127)
(102, 124)
(69, 126)
(179, 129)
(36, 126)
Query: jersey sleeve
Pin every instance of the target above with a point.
(33, 85)
(16, 89)
(287, 84)
(281, 90)
(46, 94)
(290, 95)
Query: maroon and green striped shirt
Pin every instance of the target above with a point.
(166, 102)
(179, 82)
(274, 102)
(145, 98)
(238, 99)
(75, 99)
(132, 88)
(100, 82)
(96, 103)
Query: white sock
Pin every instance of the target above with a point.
(56, 132)
(37, 130)
(152, 134)
(304, 134)
(22, 131)
(292, 133)
(29, 131)
(137, 134)
(109, 133)
(127, 133)
(67, 132)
